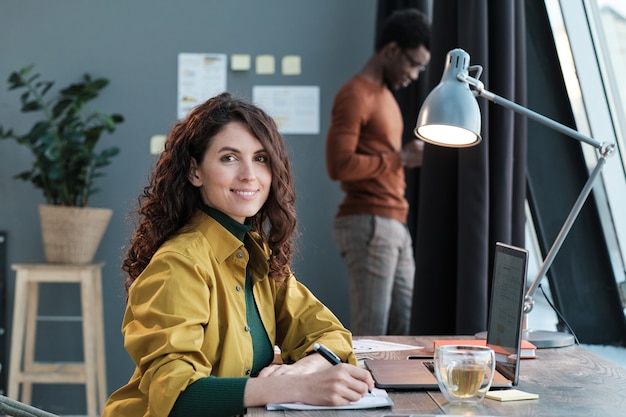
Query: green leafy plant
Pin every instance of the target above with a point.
(63, 142)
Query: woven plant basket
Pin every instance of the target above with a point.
(71, 235)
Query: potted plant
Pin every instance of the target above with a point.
(66, 162)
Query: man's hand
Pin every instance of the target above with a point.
(412, 154)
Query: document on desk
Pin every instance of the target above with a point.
(370, 345)
(377, 399)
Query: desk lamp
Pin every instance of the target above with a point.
(450, 117)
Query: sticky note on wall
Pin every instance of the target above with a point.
(157, 144)
(291, 65)
(240, 62)
(265, 64)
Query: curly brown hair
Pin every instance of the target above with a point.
(169, 200)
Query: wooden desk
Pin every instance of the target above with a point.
(570, 381)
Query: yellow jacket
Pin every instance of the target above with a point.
(186, 317)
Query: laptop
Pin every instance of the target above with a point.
(504, 331)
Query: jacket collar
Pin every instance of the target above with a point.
(214, 231)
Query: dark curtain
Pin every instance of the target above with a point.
(464, 200)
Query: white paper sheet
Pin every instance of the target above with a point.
(370, 345)
(296, 109)
(200, 77)
(379, 398)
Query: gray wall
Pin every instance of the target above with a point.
(135, 44)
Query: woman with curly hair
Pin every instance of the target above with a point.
(209, 287)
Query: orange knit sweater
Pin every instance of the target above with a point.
(363, 150)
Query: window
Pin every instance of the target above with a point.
(590, 36)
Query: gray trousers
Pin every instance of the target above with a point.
(381, 269)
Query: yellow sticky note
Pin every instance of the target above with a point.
(511, 395)
(239, 62)
(157, 144)
(265, 64)
(291, 65)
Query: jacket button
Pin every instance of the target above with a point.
(238, 287)
(247, 328)
(248, 372)
(239, 255)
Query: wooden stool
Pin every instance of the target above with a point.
(22, 366)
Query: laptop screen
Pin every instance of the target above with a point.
(504, 330)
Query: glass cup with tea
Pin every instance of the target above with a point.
(464, 373)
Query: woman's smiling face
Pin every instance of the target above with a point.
(234, 176)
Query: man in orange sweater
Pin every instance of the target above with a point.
(364, 152)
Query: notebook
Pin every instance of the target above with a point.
(504, 330)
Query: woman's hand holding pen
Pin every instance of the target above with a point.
(334, 385)
(320, 379)
(339, 385)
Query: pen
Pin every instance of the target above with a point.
(330, 356)
(327, 354)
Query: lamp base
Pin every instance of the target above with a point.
(542, 339)
(548, 339)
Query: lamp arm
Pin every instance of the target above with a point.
(479, 89)
(605, 150)
(569, 222)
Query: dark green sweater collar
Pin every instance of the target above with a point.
(233, 226)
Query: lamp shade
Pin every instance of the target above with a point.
(450, 115)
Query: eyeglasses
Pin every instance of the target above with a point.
(419, 67)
